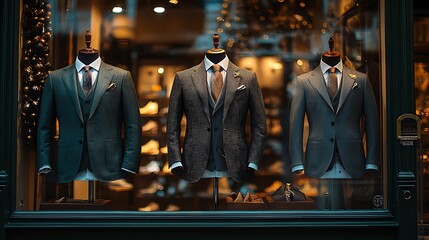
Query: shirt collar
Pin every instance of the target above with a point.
(325, 67)
(208, 64)
(95, 64)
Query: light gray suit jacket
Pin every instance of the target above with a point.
(189, 97)
(356, 102)
(114, 109)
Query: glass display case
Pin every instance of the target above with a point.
(374, 188)
(278, 41)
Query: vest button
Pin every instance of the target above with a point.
(80, 141)
(332, 123)
(332, 139)
(208, 129)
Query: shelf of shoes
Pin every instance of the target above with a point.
(153, 114)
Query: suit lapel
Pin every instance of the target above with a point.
(104, 78)
(70, 82)
(319, 84)
(199, 77)
(232, 82)
(346, 86)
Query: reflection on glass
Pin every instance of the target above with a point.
(278, 40)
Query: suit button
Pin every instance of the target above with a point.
(332, 140)
(81, 125)
(208, 129)
(332, 123)
(80, 141)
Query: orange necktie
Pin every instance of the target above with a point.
(332, 82)
(217, 82)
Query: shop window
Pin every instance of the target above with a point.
(280, 41)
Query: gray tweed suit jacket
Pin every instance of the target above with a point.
(114, 107)
(189, 97)
(357, 102)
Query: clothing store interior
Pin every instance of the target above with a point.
(275, 48)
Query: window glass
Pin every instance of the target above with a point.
(321, 148)
(421, 84)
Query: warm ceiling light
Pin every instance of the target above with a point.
(159, 9)
(116, 9)
(173, 1)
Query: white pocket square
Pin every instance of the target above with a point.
(111, 87)
(241, 87)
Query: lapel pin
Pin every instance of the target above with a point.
(354, 85)
(237, 74)
(352, 76)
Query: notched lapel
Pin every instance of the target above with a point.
(199, 77)
(346, 86)
(319, 84)
(105, 76)
(233, 81)
(69, 78)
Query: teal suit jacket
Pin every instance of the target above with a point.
(113, 128)
(344, 126)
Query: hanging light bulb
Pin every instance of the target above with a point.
(159, 9)
(117, 9)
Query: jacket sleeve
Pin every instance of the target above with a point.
(132, 125)
(258, 123)
(371, 125)
(45, 128)
(296, 126)
(175, 114)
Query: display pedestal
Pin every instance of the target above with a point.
(75, 204)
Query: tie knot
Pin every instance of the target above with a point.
(216, 67)
(87, 68)
(332, 70)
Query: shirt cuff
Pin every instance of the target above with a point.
(371, 166)
(45, 169)
(297, 168)
(127, 170)
(254, 166)
(176, 164)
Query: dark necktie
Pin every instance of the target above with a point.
(217, 82)
(87, 80)
(332, 82)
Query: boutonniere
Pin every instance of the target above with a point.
(352, 76)
(354, 85)
(237, 74)
(111, 87)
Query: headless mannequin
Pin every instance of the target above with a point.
(331, 58)
(215, 55)
(334, 195)
(89, 54)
